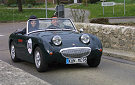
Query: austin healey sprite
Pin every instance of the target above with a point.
(54, 40)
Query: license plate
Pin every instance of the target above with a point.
(76, 60)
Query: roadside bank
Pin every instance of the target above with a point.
(9, 75)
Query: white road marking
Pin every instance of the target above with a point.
(2, 35)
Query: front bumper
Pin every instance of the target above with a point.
(74, 52)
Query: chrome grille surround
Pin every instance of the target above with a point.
(75, 52)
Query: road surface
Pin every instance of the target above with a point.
(111, 71)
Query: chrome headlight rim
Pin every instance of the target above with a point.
(57, 40)
(85, 38)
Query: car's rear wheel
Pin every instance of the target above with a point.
(40, 63)
(13, 53)
(94, 62)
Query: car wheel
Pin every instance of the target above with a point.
(13, 53)
(40, 64)
(94, 62)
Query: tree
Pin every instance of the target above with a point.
(19, 2)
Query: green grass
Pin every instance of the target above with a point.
(38, 5)
(13, 14)
(3, 6)
(96, 10)
(122, 1)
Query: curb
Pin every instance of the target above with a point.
(119, 54)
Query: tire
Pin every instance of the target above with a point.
(13, 53)
(40, 63)
(94, 62)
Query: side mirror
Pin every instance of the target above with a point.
(18, 32)
(81, 30)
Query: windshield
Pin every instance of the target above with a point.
(50, 24)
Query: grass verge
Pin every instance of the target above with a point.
(37, 5)
(13, 14)
(96, 10)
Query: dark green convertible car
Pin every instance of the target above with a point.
(49, 40)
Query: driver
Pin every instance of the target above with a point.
(54, 23)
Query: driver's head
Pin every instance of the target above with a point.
(33, 22)
(55, 20)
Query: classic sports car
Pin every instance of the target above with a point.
(54, 40)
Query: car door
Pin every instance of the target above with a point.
(21, 47)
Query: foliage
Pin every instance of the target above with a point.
(39, 5)
(11, 2)
(78, 15)
(71, 1)
(33, 2)
(99, 20)
(93, 1)
(86, 2)
(29, 5)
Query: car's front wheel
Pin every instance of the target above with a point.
(13, 53)
(94, 62)
(40, 64)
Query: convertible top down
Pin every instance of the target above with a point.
(49, 40)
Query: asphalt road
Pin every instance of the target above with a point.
(111, 71)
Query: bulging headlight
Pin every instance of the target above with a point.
(57, 40)
(85, 38)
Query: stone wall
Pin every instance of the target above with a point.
(112, 36)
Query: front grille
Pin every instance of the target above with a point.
(75, 52)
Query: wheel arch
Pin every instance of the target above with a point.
(10, 41)
(96, 40)
(34, 47)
